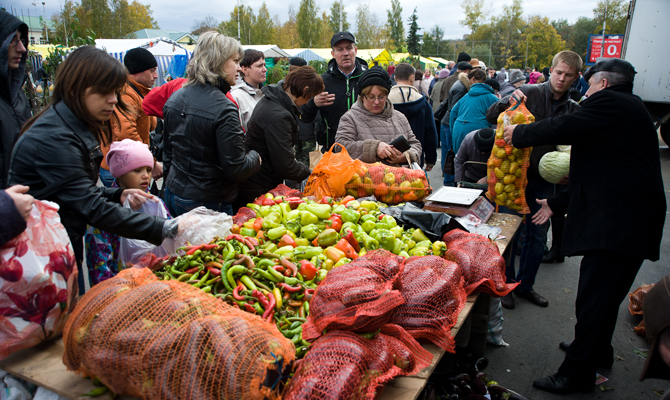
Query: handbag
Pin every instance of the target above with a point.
(449, 168)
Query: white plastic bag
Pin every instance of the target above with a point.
(132, 250)
(199, 226)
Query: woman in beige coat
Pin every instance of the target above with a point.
(371, 124)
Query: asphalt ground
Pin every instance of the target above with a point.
(533, 333)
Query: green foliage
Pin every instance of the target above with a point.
(546, 42)
(395, 27)
(247, 20)
(278, 72)
(308, 23)
(264, 29)
(616, 12)
(475, 14)
(413, 35)
(584, 26)
(319, 66)
(335, 17)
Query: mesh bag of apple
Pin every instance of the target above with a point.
(507, 166)
(390, 185)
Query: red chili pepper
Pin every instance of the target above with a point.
(290, 289)
(347, 199)
(214, 271)
(335, 222)
(279, 200)
(237, 237)
(326, 200)
(192, 270)
(237, 295)
(252, 241)
(271, 316)
(267, 202)
(289, 265)
(210, 246)
(278, 268)
(249, 308)
(287, 240)
(380, 217)
(352, 241)
(348, 250)
(309, 293)
(307, 270)
(261, 298)
(193, 250)
(258, 224)
(315, 242)
(294, 202)
(271, 302)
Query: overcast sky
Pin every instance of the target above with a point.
(179, 15)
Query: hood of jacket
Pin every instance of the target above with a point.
(242, 85)
(11, 80)
(410, 107)
(361, 66)
(463, 78)
(404, 94)
(480, 89)
(277, 94)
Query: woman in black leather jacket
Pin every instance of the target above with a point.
(58, 155)
(204, 142)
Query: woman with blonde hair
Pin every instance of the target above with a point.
(204, 150)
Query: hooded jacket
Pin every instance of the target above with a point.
(273, 131)
(14, 105)
(246, 98)
(469, 114)
(345, 97)
(360, 132)
(418, 112)
(204, 145)
(459, 89)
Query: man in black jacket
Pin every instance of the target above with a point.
(340, 80)
(613, 140)
(14, 106)
(546, 100)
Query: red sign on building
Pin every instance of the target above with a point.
(612, 48)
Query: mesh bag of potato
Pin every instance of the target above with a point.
(390, 185)
(155, 339)
(507, 167)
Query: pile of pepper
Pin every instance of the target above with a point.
(272, 264)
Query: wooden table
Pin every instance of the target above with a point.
(43, 364)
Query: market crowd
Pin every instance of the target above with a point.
(227, 137)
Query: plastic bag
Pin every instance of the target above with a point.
(331, 174)
(636, 298)
(132, 250)
(390, 185)
(507, 166)
(201, 226)
(38, 281)
(160, 340)
(433, 224)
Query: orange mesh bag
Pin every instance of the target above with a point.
(357, 297)
(343, 365)
(434, 296)
(168, 340)
(637, 299)
(331, 174)
(390, 185)
(507, 165)
(481, 263)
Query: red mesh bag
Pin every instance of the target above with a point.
(507, 166)
(390, 185)
(280, 190)
(481, 263)
(434, 296)
(637, 299)
(243, 215)
(357, 297)
(343, 365)
(157, 339)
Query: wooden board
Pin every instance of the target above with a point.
(509, 224)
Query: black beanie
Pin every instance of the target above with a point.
(493, 83)
(373, 76)
(484, 140)
(463, 56)
(139, 60)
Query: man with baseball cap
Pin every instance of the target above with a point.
(611, 121)
(134, 124)
(340, 79)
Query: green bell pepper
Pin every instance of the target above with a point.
(366, 241)
(308, 253)
(307, 218)
(285, 210)
(309, 232)
(385, 238)
(389, 220)
(339, 209)
(425, 243)
(294, 215)
(419, 236)
(355, 204)
(247, 232)
(276, 233)
(369, 205)
(254, 207)
(301, 241)
(284, 250)
(328, 238)
(397, 231)
(404, 254)
(293, 226)
(419, 251)
(368, 217)
(398, 246)
(348, 226)
(351, 215)
(343, 260)
(264, 211)
(368, 226)
(439, 248)
(322, 211)
(272, 220)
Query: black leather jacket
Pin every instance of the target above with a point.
(204, 145)
(539, 101)
(60, 156)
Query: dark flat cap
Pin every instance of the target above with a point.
(463, 66)
(297, 61)
(493, 83)
(342, 36)
(617, 65)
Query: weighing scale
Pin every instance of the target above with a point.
(460, 202)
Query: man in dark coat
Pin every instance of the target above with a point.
(14, 106)
(612, 135)
(340, 80)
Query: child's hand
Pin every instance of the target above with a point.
(136, 197)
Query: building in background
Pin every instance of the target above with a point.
(36, 28)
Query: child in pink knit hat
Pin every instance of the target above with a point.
(131, 163)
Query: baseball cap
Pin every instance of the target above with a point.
(342, 36)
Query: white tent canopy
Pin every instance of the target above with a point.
(268, 50)
(157, 46)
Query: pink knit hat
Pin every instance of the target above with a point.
(127, 155)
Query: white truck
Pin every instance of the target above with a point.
(646, 46)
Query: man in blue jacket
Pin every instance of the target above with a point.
(419, 113)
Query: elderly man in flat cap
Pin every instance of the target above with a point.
(613, 140)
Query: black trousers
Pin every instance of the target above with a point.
(604, 281)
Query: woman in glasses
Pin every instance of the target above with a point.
(368, 128)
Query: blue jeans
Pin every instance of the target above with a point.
(106, 177)
(445, 139)
(178, 206)
(533, 244)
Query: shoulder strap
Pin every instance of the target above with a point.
(136, 89)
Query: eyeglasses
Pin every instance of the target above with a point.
(15, 41)
(379, 98)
